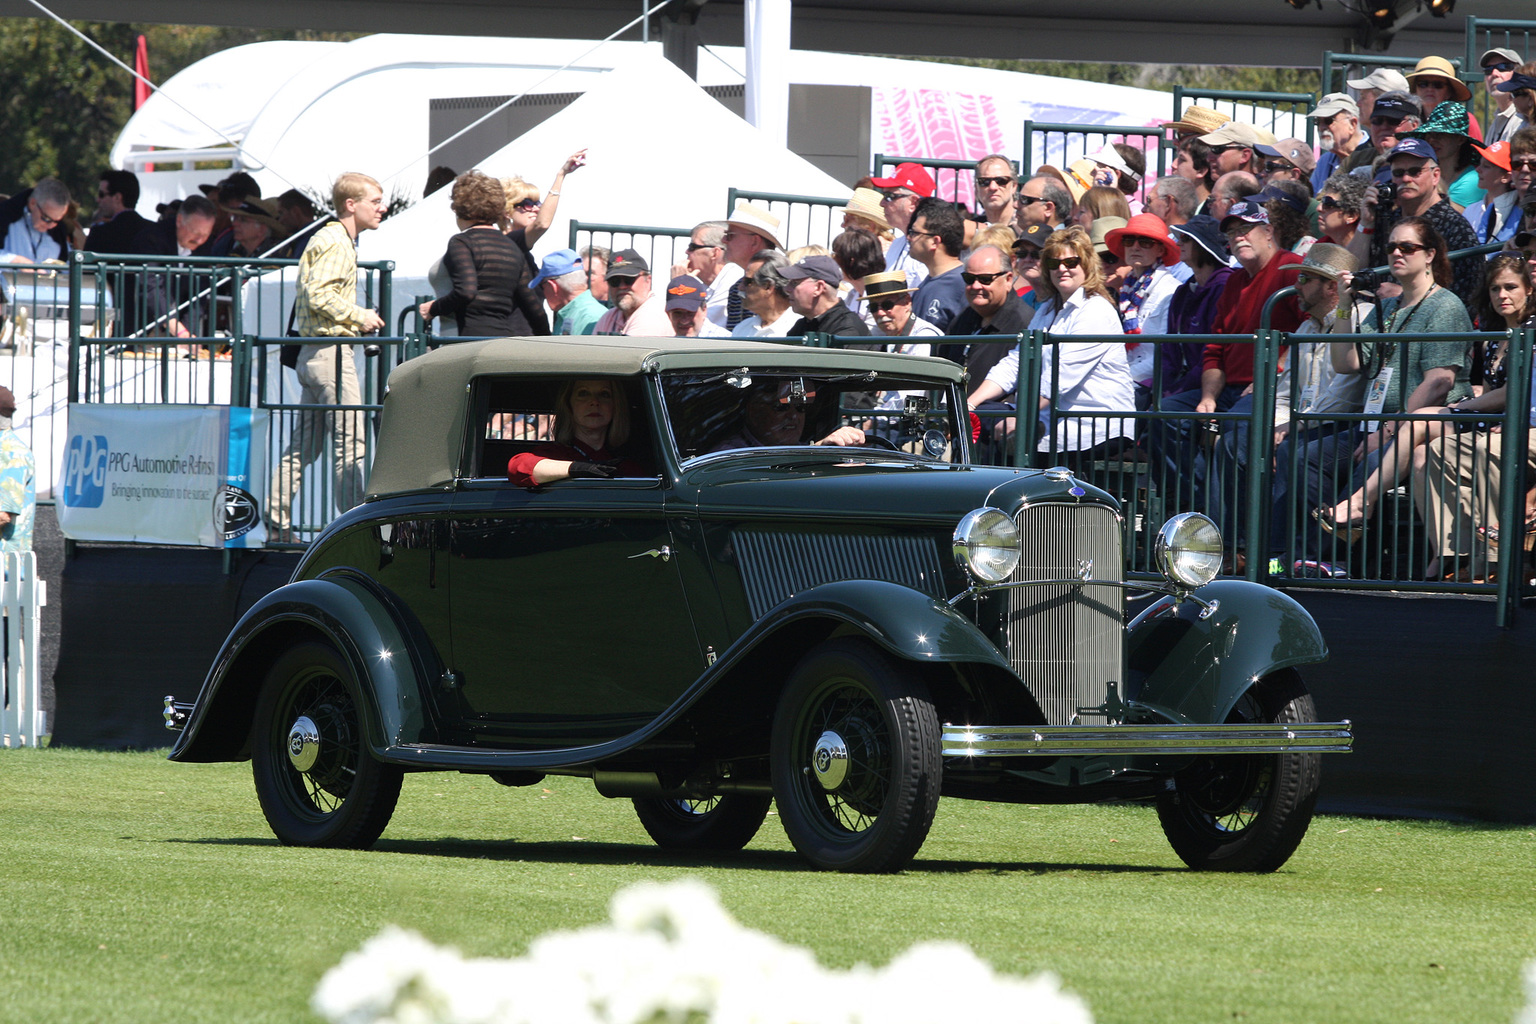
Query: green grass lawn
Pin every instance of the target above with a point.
(132, 889)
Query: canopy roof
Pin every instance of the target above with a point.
(421, 437)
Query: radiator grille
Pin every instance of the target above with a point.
(1064, 641)
(777, 563)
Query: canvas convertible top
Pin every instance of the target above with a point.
(421, 438)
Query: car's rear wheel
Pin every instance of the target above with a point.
(726, 822)
(1247, 812)
(316, 780)
(855, 758)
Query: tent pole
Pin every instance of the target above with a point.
(767, 37)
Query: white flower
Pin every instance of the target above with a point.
(674, 955)
(1528, 1015)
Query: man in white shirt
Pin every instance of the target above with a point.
(707, 262)
(1498, 66)
(903, 191)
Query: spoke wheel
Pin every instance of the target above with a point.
(317, 782)
(1247, 812)
(721, 823)
(855, 758)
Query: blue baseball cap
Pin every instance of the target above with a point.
(1413, 147)
(556, 264)
(1272, 193)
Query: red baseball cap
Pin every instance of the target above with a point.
(914, 177)
(1496, 154)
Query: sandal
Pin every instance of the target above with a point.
(1349, 532)
(1490, 534)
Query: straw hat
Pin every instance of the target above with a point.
(1325, 259)
(887, 282)
(1439, 67)
(756, 219)
(1198, 119)
(865, 203)
(263, 211)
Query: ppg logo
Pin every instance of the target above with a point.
(85, 471)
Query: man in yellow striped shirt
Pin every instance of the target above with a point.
(326, 307)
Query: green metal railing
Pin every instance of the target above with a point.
(1268, 102)
(661, 247)
(946, 186)
(1108, 132)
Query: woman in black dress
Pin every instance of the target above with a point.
(489, 298)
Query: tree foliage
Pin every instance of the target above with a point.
(62, 103)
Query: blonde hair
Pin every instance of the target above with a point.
(1073, 240)
(351, 185)
(1000, 235)
(517, 191)
(565, 416)
(796, 255)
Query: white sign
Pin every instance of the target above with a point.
(156, 474)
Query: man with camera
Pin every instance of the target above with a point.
(1413, 190)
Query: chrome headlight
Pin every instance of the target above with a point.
(987, 545)
(1188, 550)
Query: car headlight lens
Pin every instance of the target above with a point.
(1188, 550)
(987, 545)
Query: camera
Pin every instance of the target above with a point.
(1367, 281)
(1386, 193)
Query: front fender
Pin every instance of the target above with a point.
(389, 663)
(1194, 670)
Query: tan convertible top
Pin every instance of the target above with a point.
(421, 438)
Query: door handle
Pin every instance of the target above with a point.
(664, 553)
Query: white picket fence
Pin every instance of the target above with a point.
(21, 600)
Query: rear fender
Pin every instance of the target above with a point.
(1193, 669)
(341, 609)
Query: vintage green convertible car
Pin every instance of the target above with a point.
(789, 583)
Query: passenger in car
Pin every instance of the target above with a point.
(774, 414)
(591, 421)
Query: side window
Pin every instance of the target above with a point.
(513, 415)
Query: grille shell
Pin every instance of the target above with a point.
(1067, 642)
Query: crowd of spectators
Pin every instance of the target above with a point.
(1402, 176)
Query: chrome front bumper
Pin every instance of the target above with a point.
(1060, 740)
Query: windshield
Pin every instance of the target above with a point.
(717, 411)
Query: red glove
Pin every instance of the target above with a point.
(975, 428)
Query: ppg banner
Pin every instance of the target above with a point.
(153, 474)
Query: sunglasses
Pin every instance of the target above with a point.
(527, 204)
(1070, 262)
(1524, 164)
(1384, 121)
(894, 194)
(1431, 83)
(1108, 259)
(999, 180)
(1029, 200)
(883, 305)
(1217, 150)
(1023, 255)
(1408, 172)
(1502, 65)
(1406, 248)
(44, 217)
(1127, 241)
(1329, 203)
(696, 246)
(1276, 165)
(986, 279)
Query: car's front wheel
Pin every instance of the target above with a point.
(855, 758)
(316, 780)
(1246, 812)
(722, 823)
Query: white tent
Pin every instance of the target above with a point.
(638, 171)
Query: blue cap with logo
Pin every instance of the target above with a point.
(1414, 148)
(556, 264)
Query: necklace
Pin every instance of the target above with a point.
(1412, 312)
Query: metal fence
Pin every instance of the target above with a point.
(954, 180)
(662, 248)
(1284, 113)
(1437, 500)
(803, 220)
(22, 596)
(1074, 144)
(213, 331)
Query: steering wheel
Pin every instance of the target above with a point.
(876, 441)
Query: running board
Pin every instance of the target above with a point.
(1058, 740)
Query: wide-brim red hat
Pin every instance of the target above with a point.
(1145, 225)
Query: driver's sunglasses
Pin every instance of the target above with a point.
(986, 279)
(1070, 262)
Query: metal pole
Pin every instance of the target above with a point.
(76, 284)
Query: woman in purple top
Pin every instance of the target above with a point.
(1193, 307)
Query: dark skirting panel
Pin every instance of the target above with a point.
(140, 623)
